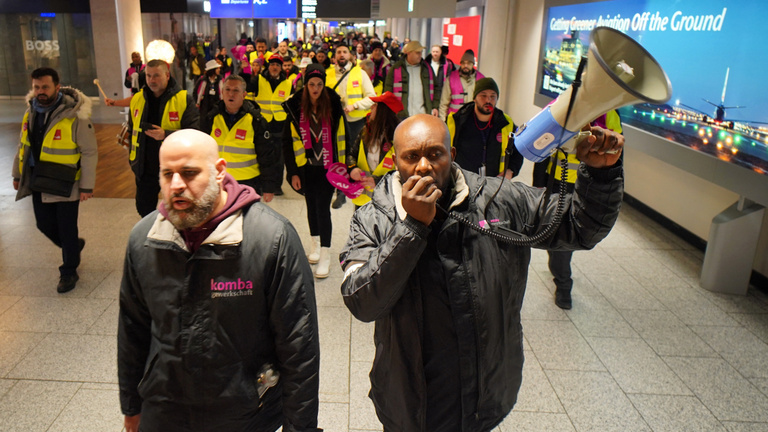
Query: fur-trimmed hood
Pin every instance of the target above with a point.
(74, 99)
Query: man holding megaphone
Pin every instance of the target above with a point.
(444, 291)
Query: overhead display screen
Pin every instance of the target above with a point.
(253, 8)
(711, 54)
(344, 9)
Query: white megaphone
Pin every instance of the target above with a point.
(619, 72)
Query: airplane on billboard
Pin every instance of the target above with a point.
(719, 117)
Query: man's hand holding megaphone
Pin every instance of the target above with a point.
(602, 148)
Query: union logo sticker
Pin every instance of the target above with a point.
(217, 132)
(173, 116)
(240, 134)
(57, 135)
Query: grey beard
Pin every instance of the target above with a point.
(201, 208)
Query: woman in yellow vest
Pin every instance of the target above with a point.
(314, 139)
(370, 157)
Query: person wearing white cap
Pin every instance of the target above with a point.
(298, 82)
(413, 82)
(208, 88)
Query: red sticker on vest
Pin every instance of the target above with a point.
(355, 84)
(240, 134)
(173, 116)
(498, 137)
(136, 112)
(217, 132)
(57, 135)
(281, 93)
(388, 163)
(25, 126)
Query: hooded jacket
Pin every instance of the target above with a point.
(196, 329)
(74, 105)
(485, 280)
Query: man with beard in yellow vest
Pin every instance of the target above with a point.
(354, 87)
(161, 108)
(56, 164)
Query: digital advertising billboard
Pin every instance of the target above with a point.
(253, 9)
(713, 53)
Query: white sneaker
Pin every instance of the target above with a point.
(314, 256)
(324, 264)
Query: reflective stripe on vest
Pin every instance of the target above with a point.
(58, 145)
(397, 85)
(573, 167)
(457, 91)
(236, 146)
(355, 92)
(299, 152)
(269, 102)
(171, 120)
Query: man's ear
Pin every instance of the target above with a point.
(221, 170)
(453, 153)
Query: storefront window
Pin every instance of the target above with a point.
(62, 41)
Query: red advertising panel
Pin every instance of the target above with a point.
(461, 34)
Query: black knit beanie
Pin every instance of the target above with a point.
(485, 84)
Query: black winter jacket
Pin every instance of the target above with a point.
(196, 329)
(485, 280)
(292, 108)
(513, 160)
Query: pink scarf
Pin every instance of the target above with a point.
(306, 138)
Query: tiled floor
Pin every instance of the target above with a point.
(644, 348)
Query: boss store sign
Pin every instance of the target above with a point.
(41, 45)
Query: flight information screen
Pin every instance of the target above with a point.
(253, 8)
(710, 50)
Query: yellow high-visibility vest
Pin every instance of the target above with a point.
(58, 145)
(236, 146)
(386, 165)
(300, 153)
(171, 120)
(355, 92)
(271, 102)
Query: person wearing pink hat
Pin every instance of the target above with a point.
(370, 156)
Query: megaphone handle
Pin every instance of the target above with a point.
(571, 145)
